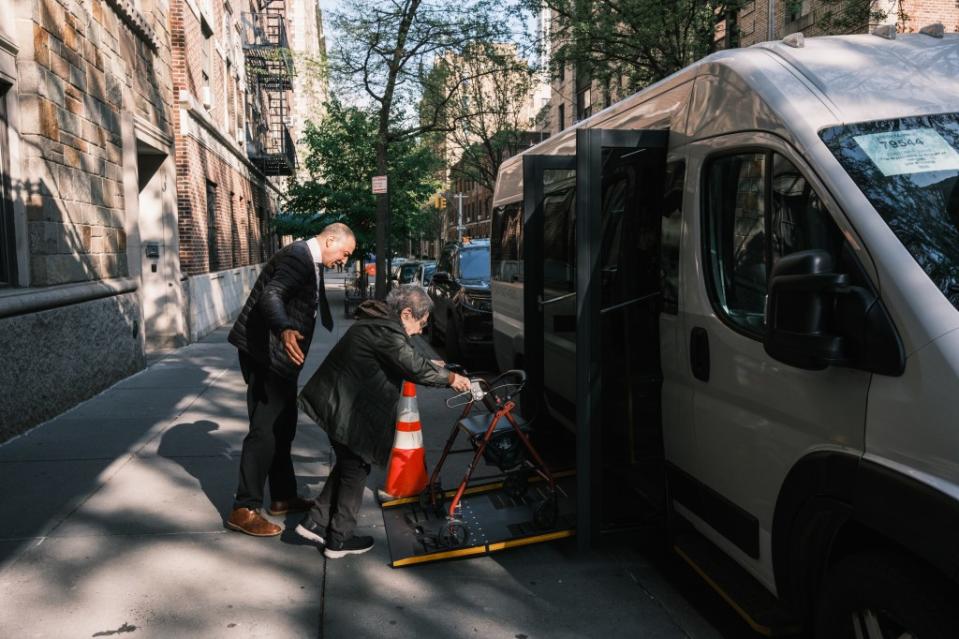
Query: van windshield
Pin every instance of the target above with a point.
(474, 264)
(908, 168)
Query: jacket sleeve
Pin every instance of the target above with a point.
(396, 354)
(290, 276)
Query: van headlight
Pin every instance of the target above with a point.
(478, 303)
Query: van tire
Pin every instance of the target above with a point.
(893, 590)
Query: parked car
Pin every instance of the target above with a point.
(462, 312)
(425, 273)
(761, 253)
(407, 271)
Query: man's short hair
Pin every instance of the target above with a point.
(338, 230)
(411, 296)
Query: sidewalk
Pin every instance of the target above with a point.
(113, 525)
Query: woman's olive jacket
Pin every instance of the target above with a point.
(354, 393)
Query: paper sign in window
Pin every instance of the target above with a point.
(913, 151)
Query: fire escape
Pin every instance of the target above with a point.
(269, 72)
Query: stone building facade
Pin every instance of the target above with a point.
(143, 148)
(85, 89)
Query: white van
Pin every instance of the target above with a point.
(773, 271)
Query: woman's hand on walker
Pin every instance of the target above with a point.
(460, 383)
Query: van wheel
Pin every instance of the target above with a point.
(885, 596)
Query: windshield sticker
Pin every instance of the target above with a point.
(913, 151)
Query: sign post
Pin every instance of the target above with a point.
(380, 188)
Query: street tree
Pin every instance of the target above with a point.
(493, 114)
(626, 45)
(340, 163)
(385, 49)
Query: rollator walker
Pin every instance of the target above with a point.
(502, 439)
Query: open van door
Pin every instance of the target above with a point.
(601, 209)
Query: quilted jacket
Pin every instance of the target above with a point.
(354, 393)
(284, 296)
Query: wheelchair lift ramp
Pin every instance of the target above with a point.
(495, 521)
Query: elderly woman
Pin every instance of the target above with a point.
(353, 397)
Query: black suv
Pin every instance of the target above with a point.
(462, 305)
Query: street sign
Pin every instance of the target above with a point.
(379, 184)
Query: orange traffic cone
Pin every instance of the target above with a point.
(406, 474)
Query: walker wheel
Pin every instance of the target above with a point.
(546, 513)
(453, 534)
(516, 484)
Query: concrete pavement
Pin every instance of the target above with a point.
(112, 525)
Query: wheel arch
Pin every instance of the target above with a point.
(833, 504)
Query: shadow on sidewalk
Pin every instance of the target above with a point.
(197, 436)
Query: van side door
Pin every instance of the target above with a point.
(754, 417)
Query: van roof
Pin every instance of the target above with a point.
(866, 77)
(834, 80)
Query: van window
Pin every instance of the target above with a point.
(506, 244)
(908, 168)
(672, 226)
(759, 208)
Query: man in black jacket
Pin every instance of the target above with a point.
(273, 335)
(353, 397)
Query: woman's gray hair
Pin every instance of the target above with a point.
(411, 296)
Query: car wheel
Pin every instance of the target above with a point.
(454, 352)
(885, 596)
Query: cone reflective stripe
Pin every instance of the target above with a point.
(406, 475)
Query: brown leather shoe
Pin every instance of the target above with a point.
(251, 522)
(293, 505)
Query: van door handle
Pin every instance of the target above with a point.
(699, 353)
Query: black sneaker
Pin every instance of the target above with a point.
(309, 529)
(352, 546)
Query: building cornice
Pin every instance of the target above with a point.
(8, 45)
(131, 17)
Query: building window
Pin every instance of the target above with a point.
(561, 117)
(211, 225)
(8, 262)
(584, 103)
(205, 72)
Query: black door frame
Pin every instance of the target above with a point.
(588, 164)
(534, 166)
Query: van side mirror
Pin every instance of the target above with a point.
(815, 319)
(798, 311)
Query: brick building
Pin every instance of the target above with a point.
(86, 137)
(753, 23)
(232, 76)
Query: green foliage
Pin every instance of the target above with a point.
(491, 117)
(341, 161)
(628, 44)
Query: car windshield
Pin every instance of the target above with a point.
(474, 263)
(908, 168)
